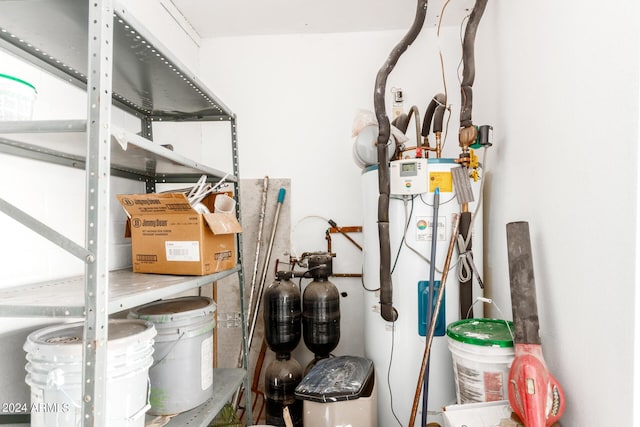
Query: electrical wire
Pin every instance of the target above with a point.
(431, 205)
(462, 26)
(362, 282)
(304, 275)
(446, 129)
(404, 234)
(414, 250)
(393, 338)
(444, 80)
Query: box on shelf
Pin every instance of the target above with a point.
(169, 237)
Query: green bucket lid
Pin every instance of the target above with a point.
(483, 332)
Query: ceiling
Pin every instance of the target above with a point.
(222, 18)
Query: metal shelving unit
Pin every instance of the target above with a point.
(126, 290)
(98, 46)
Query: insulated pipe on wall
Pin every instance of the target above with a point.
(403, 120)
(468, 132)
(437, 101)
(387, 311)
(467, 136)
(438, 119)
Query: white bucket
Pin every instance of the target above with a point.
(54, 373)
(482, 352)
(182, 373)
(16, 98)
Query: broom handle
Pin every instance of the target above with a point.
(434, 318)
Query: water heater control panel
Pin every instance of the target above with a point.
(408, 176)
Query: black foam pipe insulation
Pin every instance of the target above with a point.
(468, 60)
(402, 122)
(438, 118)
(466, 286)
(387, 311)
(437, 101)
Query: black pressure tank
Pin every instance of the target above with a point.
(321, 308)
(282, 313)
(281, 379)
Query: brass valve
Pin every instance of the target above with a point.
(467, 137)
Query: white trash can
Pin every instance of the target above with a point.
(339, 391)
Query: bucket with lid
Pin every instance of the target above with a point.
(182, 372)
(16, 98)
(54, 373)
(482, 353)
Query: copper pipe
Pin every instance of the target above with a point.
(438, 144)
(346, 229)
(342, 231)
(434, 319)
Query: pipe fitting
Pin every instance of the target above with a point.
(467, 137)
(388, 312)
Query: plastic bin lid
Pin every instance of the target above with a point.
(66, 339)
(482, 332)
(336, 379)
(175, 309)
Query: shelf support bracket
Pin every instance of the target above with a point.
(45, 231)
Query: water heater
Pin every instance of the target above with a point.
(397, 348)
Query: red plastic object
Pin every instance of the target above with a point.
(534, 393)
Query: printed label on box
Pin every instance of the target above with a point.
(182, 251)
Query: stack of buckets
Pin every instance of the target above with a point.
(482, 352)
(54, 372)
(168, 375)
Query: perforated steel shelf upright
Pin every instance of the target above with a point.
(94, 355)
(118, 63)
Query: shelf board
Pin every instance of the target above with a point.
(65, 297)
(147, 79)
(132, 156)
(225, 383)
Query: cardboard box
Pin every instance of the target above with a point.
(169, 237)
(482, 414)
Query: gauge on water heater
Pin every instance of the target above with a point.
(408, 176)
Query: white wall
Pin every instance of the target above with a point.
(565, 101)
(636, 348)
(636, 335)
(558, 81)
